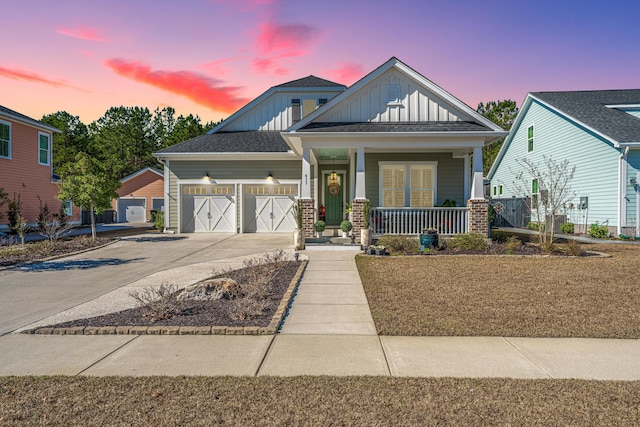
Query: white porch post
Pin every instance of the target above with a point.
(305, 190)
(360, 191)
(477, 190)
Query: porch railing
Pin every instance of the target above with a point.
(415, 220)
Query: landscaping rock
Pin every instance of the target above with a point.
(211, 290)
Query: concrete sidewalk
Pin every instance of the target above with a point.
(329, 331)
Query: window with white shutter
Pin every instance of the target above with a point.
(407, 184)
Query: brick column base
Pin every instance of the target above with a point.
(357, 215)
(308, 216)
(478, 216)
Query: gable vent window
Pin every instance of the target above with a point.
(530, 138)
(295, 111)
(322, 101)
(393, 94)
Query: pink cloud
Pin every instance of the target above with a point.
(88, 53)
(200, 89)
(287, 39)
(16, 74)
(246, 5)
(81, 32)
(218, 67)
(347, 73)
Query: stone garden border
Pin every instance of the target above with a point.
(271, 329)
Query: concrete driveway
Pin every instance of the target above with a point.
(33, 292)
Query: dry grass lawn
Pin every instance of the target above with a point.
(309, 401)
(506, 295)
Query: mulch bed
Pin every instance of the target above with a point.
(14, 254)
(199, 313)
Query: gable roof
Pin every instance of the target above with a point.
(11, 114)
(593, 109)
(309, 83)
(141, 172)
(394, 62)
(231, 142)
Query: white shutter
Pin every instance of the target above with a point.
(421, 186)
(393, 184)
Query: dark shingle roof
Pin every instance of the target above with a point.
(310, 81)
(589, 108)
(22, 117)
(457, 126)
(232, 142)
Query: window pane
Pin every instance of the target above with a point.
(422, 186)
(530, 132)
(308, 106)
(4, 148)
(534, 186)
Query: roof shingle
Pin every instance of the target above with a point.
(232, 142)
(455, 126)
(589, 107)
(310, 81)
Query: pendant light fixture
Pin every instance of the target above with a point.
(333, 177)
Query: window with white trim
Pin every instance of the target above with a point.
(411, 184)
(5, 139)
(67, 207)
(301, 108)
(44, 148)
(530, 138)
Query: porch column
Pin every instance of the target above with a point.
(360, 193)
(477, 189)
(305, 187)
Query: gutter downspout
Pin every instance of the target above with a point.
(622, 189)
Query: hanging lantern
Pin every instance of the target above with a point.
(334, 183)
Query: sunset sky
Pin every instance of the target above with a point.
(210, 57)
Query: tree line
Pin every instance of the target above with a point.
(91, 159)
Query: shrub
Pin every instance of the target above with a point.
(346, 226)
(320, 226)
(535, 226)
(159, 303)
(44, 215)
(598, 231)
(14, 210)
(573, 248)
(512, 243)
(500, 236)
(567, 228)
(468, 242)
(400, 244)
(158, 220)
(366, 210)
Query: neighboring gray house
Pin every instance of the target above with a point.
(598, 132)
(394, 138)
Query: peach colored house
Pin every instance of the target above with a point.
(140, 193)
(26, 167)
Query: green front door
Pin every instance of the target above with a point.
(333, 199)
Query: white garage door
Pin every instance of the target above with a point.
(132, 210)
(269, 208)
(210, 208)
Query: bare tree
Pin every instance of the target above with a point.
(547, 190)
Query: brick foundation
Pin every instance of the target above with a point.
(478, 216)
(308, 216)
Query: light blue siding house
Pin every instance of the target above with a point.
(598, 132)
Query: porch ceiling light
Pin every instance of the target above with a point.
(333, 176)
(270, 178)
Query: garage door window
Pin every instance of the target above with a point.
(216, 190)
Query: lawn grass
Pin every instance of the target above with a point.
(322, 401)
(506, 295)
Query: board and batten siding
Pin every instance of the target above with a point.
(595, 159)
(633, 167)
(449, 174)
(229, 171)
(369, 104)
(274, 112)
